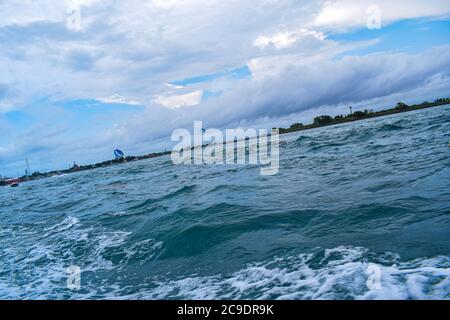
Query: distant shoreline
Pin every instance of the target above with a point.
(324, 121)
(319, 122)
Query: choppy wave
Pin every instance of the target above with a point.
(339, 273)
(358, 211)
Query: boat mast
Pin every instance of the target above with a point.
(28, 167)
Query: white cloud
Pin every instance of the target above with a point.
(169, 4)
(118, 99)
(354, 13)
(82, 3)
(173, 86)
(273, 65)
(5, 106)
(180, 100)
(286, 39)
(25, 12)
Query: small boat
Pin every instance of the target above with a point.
(10, 182)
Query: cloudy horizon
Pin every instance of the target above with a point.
(80, 78)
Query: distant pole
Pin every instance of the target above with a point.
(28, 167)
(351, 110)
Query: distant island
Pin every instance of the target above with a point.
(320, 121)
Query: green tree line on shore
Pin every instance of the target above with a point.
(326, 120)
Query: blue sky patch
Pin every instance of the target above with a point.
(409, 36)
(238, 73)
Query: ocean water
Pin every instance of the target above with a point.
(357, 211)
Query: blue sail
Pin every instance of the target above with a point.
(119, 153)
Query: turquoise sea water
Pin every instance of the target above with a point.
(348, 199)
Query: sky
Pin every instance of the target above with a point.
(81, 78)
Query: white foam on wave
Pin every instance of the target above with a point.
(37, 268)
(418, 279)
(121, 214)
(142, 251)
(56, 176)
(339, 273)
(67, 223)
(296, 277)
